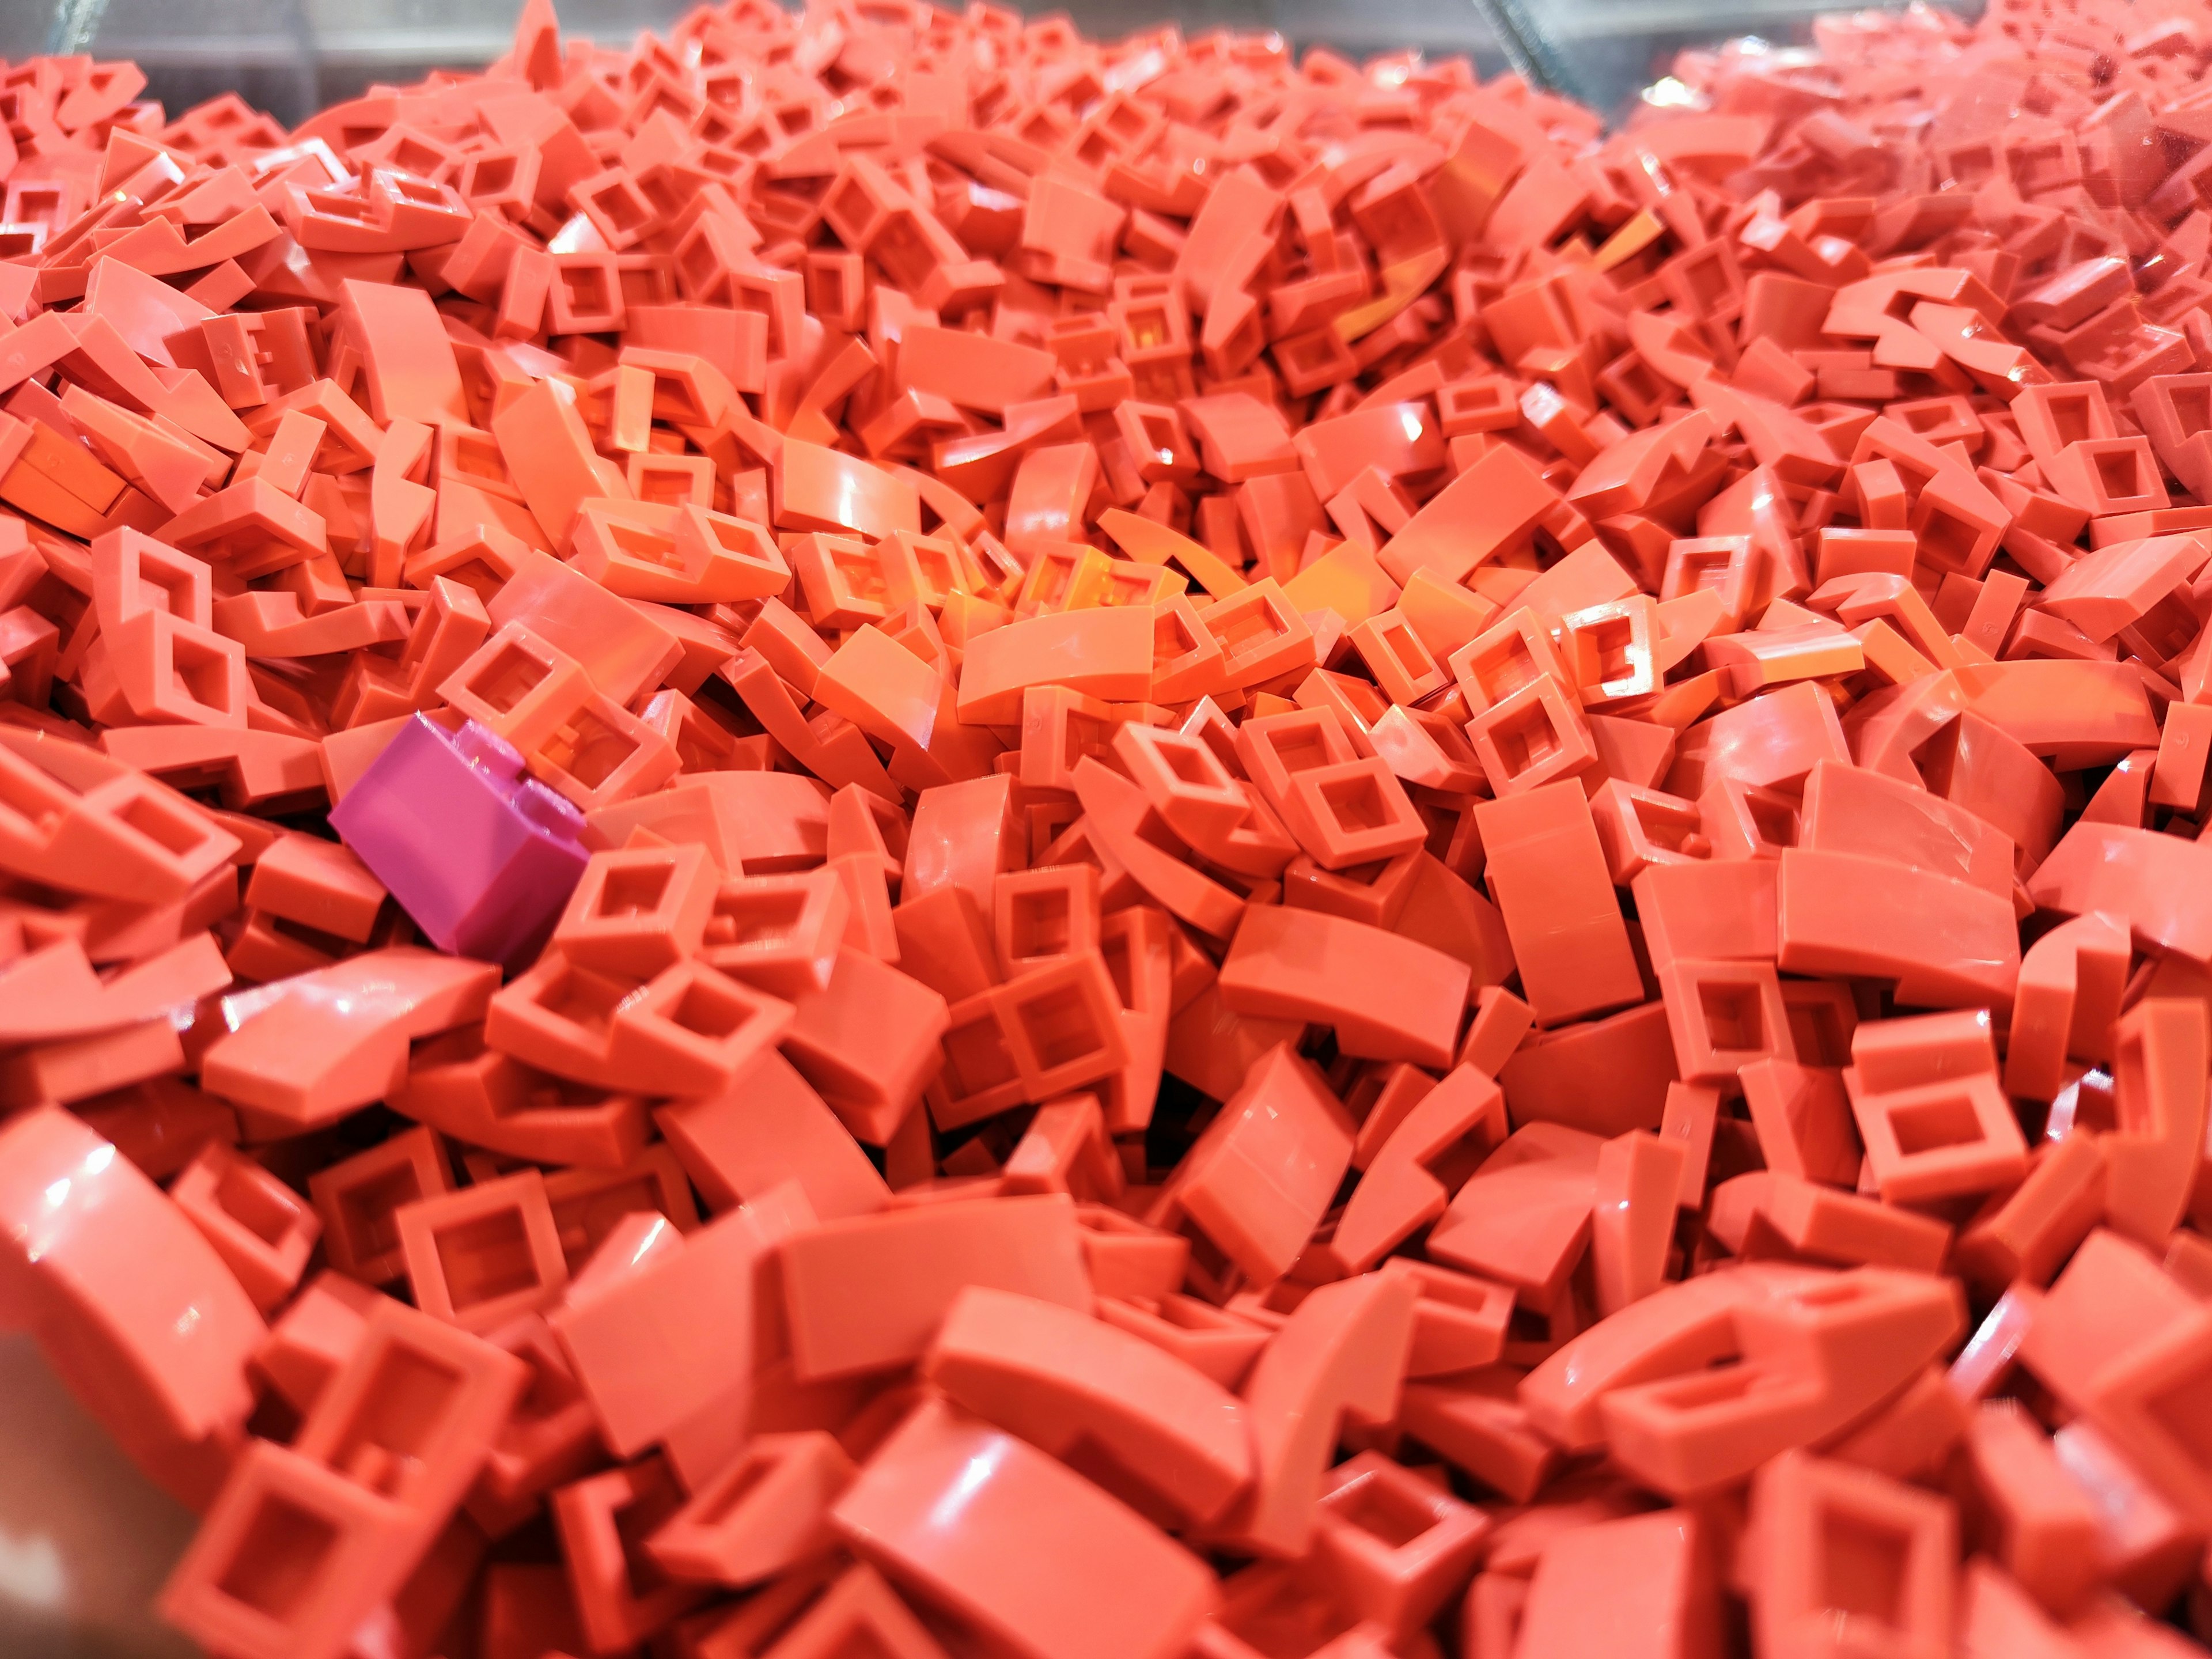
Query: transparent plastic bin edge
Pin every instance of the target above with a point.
(291, 57)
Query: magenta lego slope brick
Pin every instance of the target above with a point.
(866, 832)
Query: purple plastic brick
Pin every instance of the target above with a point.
(481, 856)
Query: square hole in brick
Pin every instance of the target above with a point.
(850, 204)
(1060, 1024)
(1300, 747)
(1145, 326)
(621, 206)
(1041, 922)
(640, 544)
(589, 749)
(697, 262)
(200, 673)
(417, 158)
(1527, 738)
(1479, 397)
(1113, 950)
(765, 917)
(555, 1093)
(1308, 354)
(976, 1057)
(674, 396)
(2168, 627)
(1931, 1126)
(478, 574)
(2119, 474)
(1221, 738)
(709, 1010)
(1357, 802)
(420, 191)
(1718, 1386)
(1734, 1020)
(1665, 826)
(1864, 1565)
(1609, 648)
(634, 890)
(1406, 647)
(486, 1258)
(279, 1554)
(1247, 628)
(1774, 817)
(1172, 636)
(903, 250)
(478, 458)
(2070, 420)
(731, 536)
(583, 998)
(1359, 875)
(1127, 587)
(1948, 542)
(491, 175)
(512, 673)
(940, 570)
(396, 1419)
(1084, 734)
(166, 586)
(1502, 667)
(1707, 570)
(828, 286)
(1385, 1509)
(242, 1194)
(587, 289)
(664, 485)
(1192, 762)
(860, 571)
(1159, 430)
(366, 1208)
(1051, 578)
(330, 204)
(170, 826)
(2192, 409)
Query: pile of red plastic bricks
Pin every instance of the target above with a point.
(876, 836)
